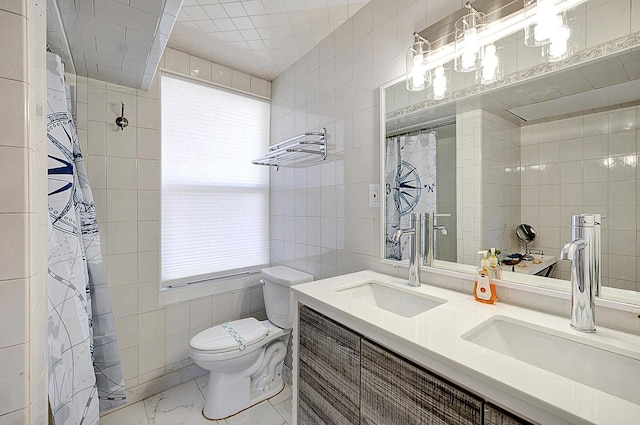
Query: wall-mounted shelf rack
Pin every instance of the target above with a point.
(305, 144)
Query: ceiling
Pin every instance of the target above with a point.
(116, 41)
(259, 37)
(121, 41)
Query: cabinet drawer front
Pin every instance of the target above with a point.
(397, 392)
(329, 371)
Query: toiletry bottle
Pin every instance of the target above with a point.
(494, 267)
(484, 291)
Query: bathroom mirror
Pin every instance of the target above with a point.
(542, 144)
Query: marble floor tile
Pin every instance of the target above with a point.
(260, 414)
(131, 415)
(202, 384)
(285, 409)
(283, 403)
(181, 405)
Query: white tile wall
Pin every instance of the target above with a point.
(607, 20)
(470, 179)
(595, 171)
(23, 216)
(502, 192)
(183, 63)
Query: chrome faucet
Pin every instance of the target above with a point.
(414, 232)
(429, 230)
(584, 253)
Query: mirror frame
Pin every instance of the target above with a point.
(630, 300)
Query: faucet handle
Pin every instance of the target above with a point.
(570, 249)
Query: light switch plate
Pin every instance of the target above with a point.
(374, 194)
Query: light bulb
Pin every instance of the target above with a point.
(559, 41)
(417, 71)
(470, 49)
(540, 33)
(439, 83)
(417, 57)
(544, 21)
(489, 64)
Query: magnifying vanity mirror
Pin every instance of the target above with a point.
(546, 142)
(526, 234)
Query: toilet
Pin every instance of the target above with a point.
(245, 357)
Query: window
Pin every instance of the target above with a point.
(215, 203)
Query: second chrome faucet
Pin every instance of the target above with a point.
(421, 232)
(430, 228)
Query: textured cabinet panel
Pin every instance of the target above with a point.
(397, 392)
(496, 416)
(329, 372)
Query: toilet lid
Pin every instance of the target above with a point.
(234, 335)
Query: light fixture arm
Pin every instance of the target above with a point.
(417, 41)
(475, 13)
(470, 7)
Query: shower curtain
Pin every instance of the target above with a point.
(85, 374)
(410, 185)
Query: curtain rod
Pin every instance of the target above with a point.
(405, 131)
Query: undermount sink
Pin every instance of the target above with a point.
(599, 368)
(405, 303)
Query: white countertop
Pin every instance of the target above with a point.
(433, 339)
(529, 267)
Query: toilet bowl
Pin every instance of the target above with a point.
(245, 357)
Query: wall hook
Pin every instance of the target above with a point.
(121, 121)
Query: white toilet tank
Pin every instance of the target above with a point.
(278, 298)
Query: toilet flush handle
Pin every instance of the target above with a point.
(262, 281)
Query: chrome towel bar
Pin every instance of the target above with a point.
(309, 143)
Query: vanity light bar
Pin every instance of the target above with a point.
(493, 31)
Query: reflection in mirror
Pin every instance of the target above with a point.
(414, 169)
(527, 234)
(536, 151)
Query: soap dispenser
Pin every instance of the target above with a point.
(494, 267)
(484, 290)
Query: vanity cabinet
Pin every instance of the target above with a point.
(343, 378)
(395, 391)
(329, 372)
(495, 416)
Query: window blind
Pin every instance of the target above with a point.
(215, 203)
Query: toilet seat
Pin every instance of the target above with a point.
(221, 339)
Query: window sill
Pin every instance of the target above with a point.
(207, 288)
